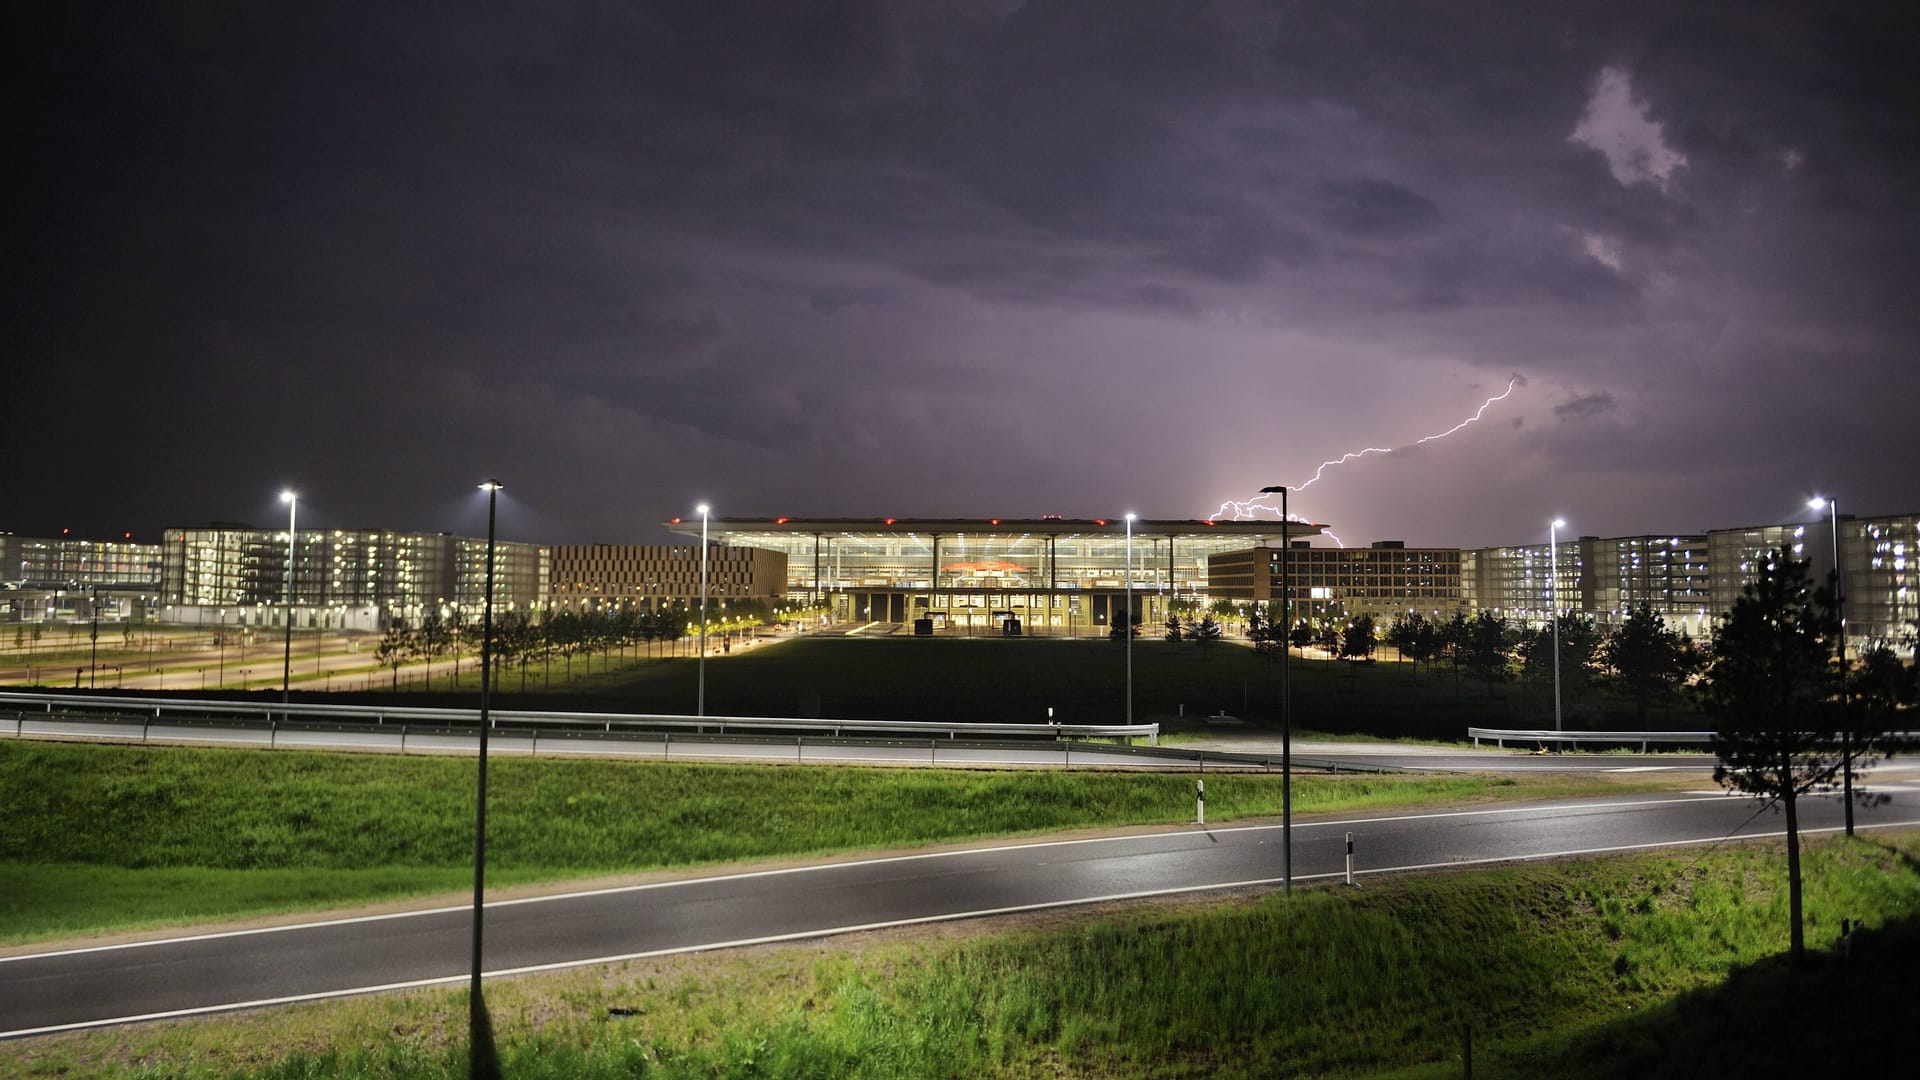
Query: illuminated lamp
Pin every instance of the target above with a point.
(779, 521)
(994, 521)
(1099, 521)
(890, 521)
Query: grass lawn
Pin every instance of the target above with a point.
(1649, 965)
(104, 837)
(995, 679)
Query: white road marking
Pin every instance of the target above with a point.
(747, 875)
(836, 931)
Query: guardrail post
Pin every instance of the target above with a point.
(1349, 858)
(799, 747)
(1066, 747)
(666, 746)
(1200, 801)
(933, 751)
(273, 732)
(403, 737)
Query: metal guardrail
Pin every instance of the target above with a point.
(185, 708)
(1891, 739)
(1500, 736)
(405, 737)
(399, 733)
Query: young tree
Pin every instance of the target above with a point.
(393, 648)
(1208, 632)
(1301, 635)
(1646, 659)
(1356, 642)
(1883, 684)
(1485, 649)
(1452, 636)
(1772, 693)
(1414, 637)
(428, 642)
(1327, 635)
(1173, 627)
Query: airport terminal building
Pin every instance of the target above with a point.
(1056, 576)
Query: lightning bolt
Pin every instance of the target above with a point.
(1239, 510)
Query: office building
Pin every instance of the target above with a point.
(591, 576)
(342, 579)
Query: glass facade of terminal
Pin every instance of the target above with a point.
(1057, 576)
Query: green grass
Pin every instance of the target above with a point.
(947, 679)
(1662, 964)
(101, 837)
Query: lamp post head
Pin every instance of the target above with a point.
(492, 486)
(1277, 489)
(289, 495)
(1558, 523)
(1130, 517)
(1818, 502)
(702, 509)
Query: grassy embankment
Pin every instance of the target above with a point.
(102, 837)
(1651, 965)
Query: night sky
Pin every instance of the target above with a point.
(962, 259)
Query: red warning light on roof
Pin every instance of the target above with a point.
(676, 521)
(779, 521)
(1210, 521)
(993, 521)
(890, 521)
(1099, 521)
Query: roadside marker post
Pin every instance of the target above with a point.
(1200, 801)
(1349, 858)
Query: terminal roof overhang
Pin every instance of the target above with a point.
(1251, 529)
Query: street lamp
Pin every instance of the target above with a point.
(1553, 606)
(1129, 622)
(93, 666)
(476, 1010)
(1832, 507)
(292, 499)
(1286, 695)
(704, 509)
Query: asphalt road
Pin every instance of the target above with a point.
(937, 752)
(52, 991)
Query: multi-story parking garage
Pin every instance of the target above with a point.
(1056, 576)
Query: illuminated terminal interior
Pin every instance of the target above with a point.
(1057, 576)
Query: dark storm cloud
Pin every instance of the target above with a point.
(813, 252)
(1371, 207)
(1585, 407)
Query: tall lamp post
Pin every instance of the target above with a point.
(292, 499)
(1286, 691)
(704, 509)
(1128, 627)
(93, 666)
(476, 1010)
(1553, 606)
(1832, 507)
